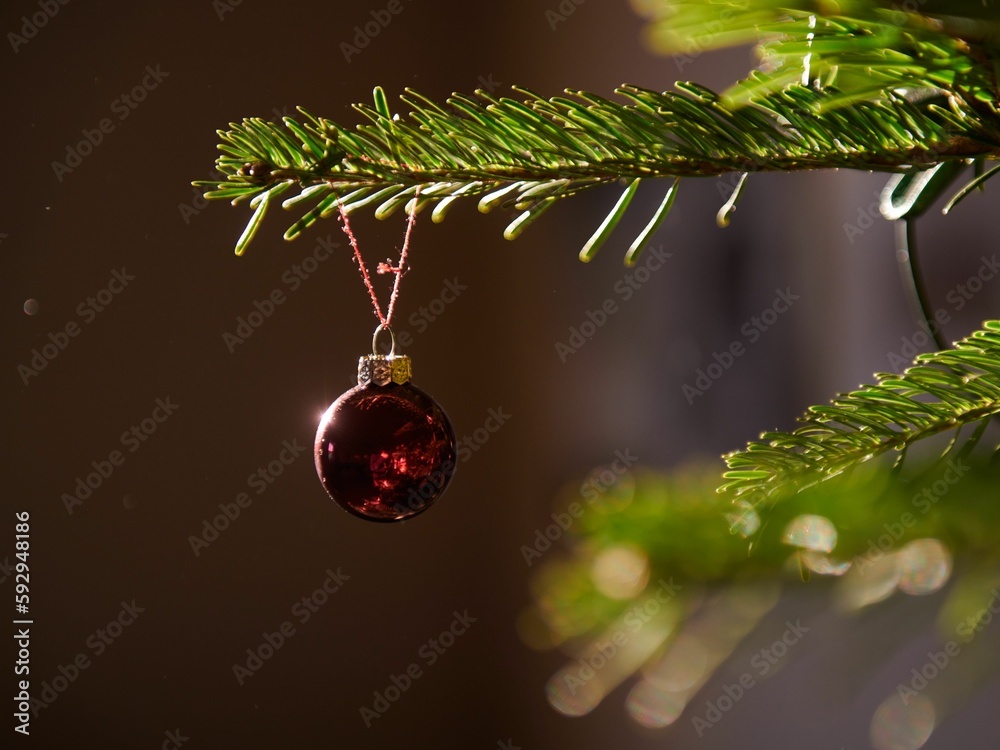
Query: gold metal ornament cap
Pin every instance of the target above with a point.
(382, 369)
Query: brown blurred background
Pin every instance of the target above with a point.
(129, 204)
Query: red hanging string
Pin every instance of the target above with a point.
(403, 253)
(385, 320)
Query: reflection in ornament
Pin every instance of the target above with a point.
(385, 450)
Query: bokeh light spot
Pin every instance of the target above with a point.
(743, 519)
(823, 564)
(924, 566)
(620, 572)
(608, 488)
(811, 532)
(902, 726)
(869, 581)
(653, 706)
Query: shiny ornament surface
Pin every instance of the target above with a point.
(385, 452)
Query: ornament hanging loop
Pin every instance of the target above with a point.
(383, 369)
(392, 339)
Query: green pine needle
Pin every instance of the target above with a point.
(604, 231)
(942, 391)
(520, 154)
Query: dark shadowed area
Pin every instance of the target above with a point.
(208, 593)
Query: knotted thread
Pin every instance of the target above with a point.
(399, 270)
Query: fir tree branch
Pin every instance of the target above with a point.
(942, 391)
(828, 535)
(526, 154)
(862, 47)
(869, 87)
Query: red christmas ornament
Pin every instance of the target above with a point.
(385, 450)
